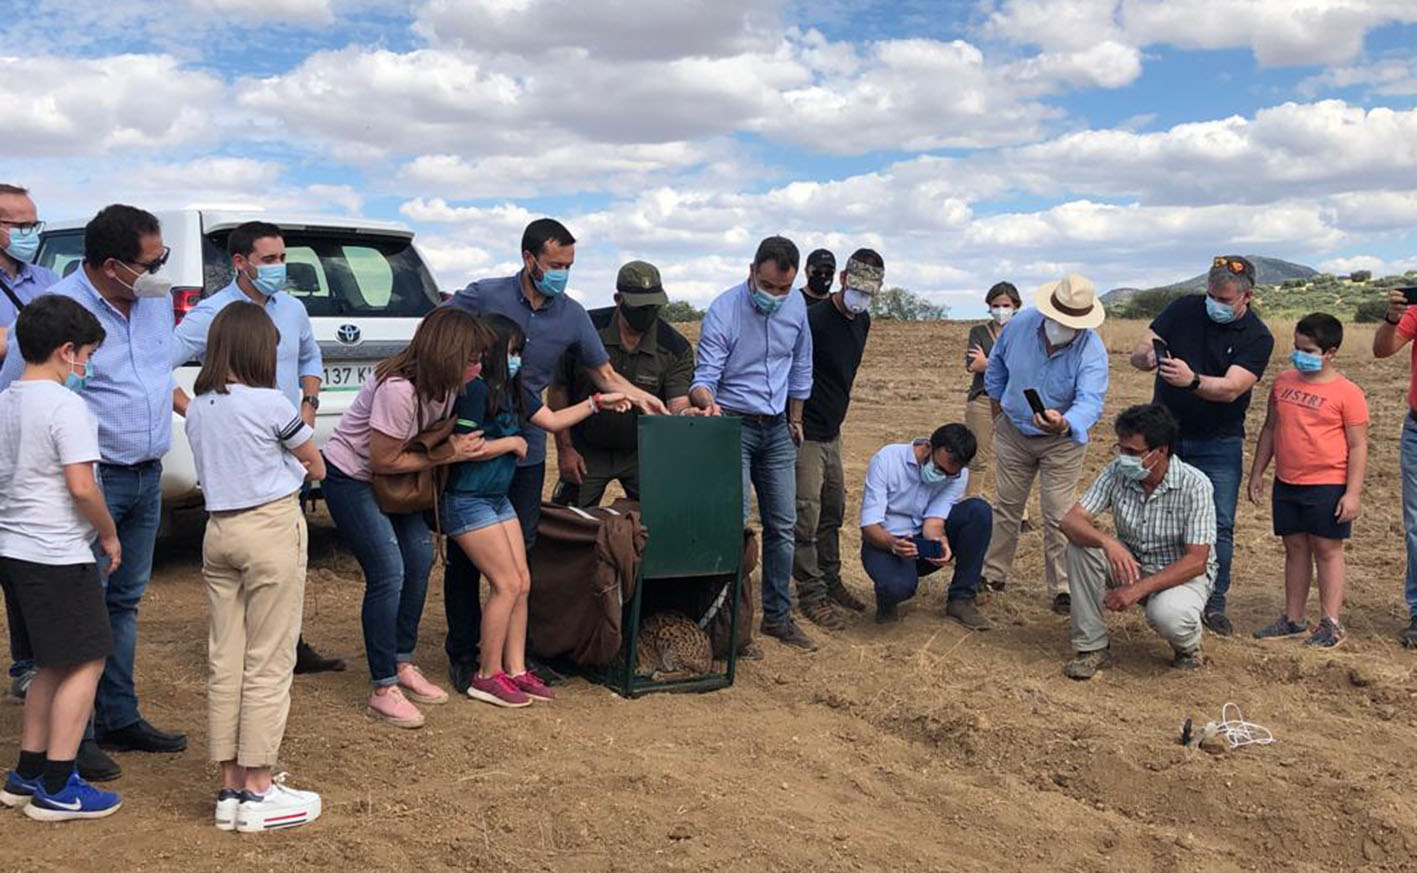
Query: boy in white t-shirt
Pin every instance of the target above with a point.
(50, 510)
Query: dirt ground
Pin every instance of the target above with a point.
(918, 747)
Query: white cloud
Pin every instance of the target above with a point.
(308, 12)
(1374, 264)
(1389, 77)
(91, 106)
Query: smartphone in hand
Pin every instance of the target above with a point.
(1162, 353)
(1411, 294)
(929, 549)
(1034, 401)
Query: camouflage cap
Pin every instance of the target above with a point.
(864, 277)
(638, 282)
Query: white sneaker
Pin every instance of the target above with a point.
(278, 808)
(227, 803)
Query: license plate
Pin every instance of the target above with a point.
(346, 377)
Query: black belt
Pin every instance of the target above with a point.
(136, 468)
(759, 420)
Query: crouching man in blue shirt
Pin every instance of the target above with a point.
(914, 521)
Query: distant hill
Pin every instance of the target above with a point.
(1270, 271)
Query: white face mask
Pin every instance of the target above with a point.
(147, 284)
(855, 302)
(1057, 334)
(1001, 314)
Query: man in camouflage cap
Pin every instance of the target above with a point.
(644, 349)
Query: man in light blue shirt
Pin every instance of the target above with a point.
(915, 518)
(132, 394)
(754, 361)
(257, 251)
(21, 280)
(1052, 352)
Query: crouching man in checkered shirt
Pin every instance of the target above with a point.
(1163, 555)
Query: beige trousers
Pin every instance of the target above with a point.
(253, 561)
(979, 418)
(1057, 462)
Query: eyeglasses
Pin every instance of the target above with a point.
(1119, 450)
(1234, 265)
(155, 265)
(24, 226)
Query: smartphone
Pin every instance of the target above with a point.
(931, 549)
(1410, 294)
(1159, 345)
(1034, 401)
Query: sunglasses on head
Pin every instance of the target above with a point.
(1234, 265)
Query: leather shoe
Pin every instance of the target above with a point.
(1062, 604)
(142, 737)
(307, 660)
(964, 611)
(94, 765)
(788, 633)
(460, 676)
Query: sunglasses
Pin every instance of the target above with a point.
(1234, 265)
(155, 265)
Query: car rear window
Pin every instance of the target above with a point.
(61, 251)
(334, 275)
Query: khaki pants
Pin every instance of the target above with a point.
(821, 509)
(253, 561)
(1175, 614)
(979, 418)
(1057, 461)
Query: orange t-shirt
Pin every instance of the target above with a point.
(1310, 444)
(1407, 329)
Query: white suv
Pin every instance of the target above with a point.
(363, 283)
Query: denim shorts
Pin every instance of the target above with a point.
(463, 513)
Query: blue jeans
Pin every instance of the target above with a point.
(1408, 464)
(396, 553)
(770, 468)
(968, 528)
(462, 583)
(1222, 460)
(134, 498)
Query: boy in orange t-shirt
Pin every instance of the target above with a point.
(1316, 430)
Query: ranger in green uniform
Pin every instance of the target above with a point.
(649, 353)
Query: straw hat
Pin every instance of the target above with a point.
(1071, 301)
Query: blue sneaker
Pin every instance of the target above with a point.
(18, 791)
(78, 799)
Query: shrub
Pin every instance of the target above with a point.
(899, 304)
(1371, 310)
(1360, 276)
(1293, 283)
(680, 311)
(1148, 304)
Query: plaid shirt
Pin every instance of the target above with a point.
(1157, 528)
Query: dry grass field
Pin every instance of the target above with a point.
(919, 747)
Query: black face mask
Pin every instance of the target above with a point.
(639, 318)
(820, 284)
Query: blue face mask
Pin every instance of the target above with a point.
(766, 303)
(933, 475)
(270, 278)
(76, 383)
(23, 244)
(1307, 362)
(553, 282)
(514, 365)
(1220, 313)
(1131, 467)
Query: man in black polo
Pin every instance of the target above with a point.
(839, 328)
(649, 354)
(1216, 350)
(821, 269)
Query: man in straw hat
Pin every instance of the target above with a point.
(1051, 352)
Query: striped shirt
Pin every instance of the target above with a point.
(1156, 528)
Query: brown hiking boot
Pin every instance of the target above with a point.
(1085, 665)
(964, 611)
(822, 614)
(788, 633)
(840, 595)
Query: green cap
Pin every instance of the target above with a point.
(639, 284)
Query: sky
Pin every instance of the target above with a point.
(968, 141)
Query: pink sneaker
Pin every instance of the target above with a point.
(413, 682)
(395, 709)
(532, 687)
(497, 690)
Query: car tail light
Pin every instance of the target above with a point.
(446, 295)
(184, 300)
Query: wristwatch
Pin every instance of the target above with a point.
(313, 400)
(1195, 383)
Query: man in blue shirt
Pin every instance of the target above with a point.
(1053, 350)
(21, 280)
(555, 325)
(754, 361)
(131, 392)
(914, 519)
(257, 252)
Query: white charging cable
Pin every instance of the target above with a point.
(1232, 726)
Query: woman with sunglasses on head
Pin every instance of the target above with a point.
(478, 515)
(407, 393)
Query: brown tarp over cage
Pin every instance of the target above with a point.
(583, 570)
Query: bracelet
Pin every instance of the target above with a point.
(1391, 322)
(594, 403)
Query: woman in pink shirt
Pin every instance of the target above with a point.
(407, 393)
